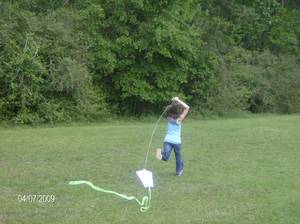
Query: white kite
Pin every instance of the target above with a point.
(146, 177)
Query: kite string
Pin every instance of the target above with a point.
(151, 138)
(144, 203)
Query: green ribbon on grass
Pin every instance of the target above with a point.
(145, 203)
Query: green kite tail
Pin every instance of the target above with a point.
(145, 203)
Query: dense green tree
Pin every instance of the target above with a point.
(69, 60)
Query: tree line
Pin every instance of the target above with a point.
(90, 59)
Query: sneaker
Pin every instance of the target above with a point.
(158, 154)
(179, 173)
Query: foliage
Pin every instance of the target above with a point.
(78, 60)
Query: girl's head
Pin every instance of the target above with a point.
(174, 110)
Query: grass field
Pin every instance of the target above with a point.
(237, 171)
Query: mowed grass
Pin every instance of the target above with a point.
(239, 171)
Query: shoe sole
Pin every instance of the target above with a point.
(158, 154)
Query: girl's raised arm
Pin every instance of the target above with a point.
(186, 108)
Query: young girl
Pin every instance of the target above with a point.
(175, 112)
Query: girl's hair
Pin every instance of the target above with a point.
(174, 110)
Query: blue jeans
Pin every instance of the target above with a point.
(177, 150)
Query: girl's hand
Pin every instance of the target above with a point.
(175, 98)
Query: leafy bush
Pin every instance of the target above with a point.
(85, 60)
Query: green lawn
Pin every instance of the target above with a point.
(237, 171)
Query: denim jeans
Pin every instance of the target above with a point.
(177, 150)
